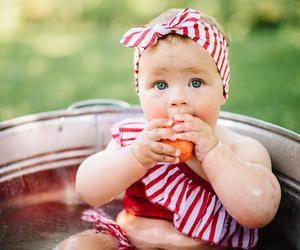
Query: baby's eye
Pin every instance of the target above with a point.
(196, 83)
(161, 85)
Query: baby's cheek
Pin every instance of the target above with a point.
(209, 114)
(153, 111)
(152, 107)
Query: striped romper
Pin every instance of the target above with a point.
(174, 192)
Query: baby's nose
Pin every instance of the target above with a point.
(178, 102)
(178, 99)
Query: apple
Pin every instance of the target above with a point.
(185, 147)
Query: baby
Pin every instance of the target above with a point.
(222, 194)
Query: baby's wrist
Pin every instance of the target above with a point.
(212, 156)
(214, 152)
(138, 162)
(212, 160)
(214, 144)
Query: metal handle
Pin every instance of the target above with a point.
(98, 102)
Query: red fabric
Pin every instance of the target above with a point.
(136, 202)
(194, 197)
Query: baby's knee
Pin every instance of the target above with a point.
(89, 241)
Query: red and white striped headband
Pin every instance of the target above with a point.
(186, 23)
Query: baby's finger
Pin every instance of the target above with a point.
(163, 158)
(185, 126)
(159, 123)
(183, 117)
(189, 118)
(189, 136)
(163, 148)
(190, 123)
(162, 133)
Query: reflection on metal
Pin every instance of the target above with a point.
(98, 102)
(45, 161)
(40, 155)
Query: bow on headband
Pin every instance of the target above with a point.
(186, 23)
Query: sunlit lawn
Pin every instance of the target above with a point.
(49, 67)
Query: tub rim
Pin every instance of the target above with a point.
(225, 115)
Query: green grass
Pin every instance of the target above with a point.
(48, 67)
(265, 81)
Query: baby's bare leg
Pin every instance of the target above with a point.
(88, 240)
(146, 233)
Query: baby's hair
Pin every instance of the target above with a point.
(167, 15)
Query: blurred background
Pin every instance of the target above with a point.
(56, 52)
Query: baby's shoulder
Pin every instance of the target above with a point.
(246, 147)
(230, 137)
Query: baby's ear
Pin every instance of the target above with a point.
(224, 100)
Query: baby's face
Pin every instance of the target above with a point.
(177, 75)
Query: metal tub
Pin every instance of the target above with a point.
(41, 153)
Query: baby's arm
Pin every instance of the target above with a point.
(106, 174)
(238, 168)
(241, 175)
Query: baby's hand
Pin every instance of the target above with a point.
(197, 131)
(147, 146)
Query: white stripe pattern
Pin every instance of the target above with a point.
(198, 217)
(197, 211)
(105, 225)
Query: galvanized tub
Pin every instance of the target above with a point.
(40, 155)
